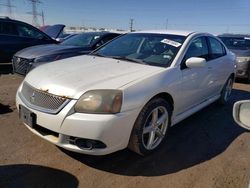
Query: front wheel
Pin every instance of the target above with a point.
(226, 91)
(150, 127)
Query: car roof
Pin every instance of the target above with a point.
(98, 33)
(170, 32)
(234, 35)
(7, 19)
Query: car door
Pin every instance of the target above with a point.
(196, 82)
(217, 64)
(30, 36)
(8, 41)
(15, 36)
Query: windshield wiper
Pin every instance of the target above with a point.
(140, 61)
(98, 55)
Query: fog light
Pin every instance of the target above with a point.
(87, 144)
(84, 144)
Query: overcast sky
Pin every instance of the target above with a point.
(215, 16)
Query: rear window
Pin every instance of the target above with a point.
(217, 49)
(8, 28)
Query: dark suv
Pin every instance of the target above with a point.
(240, 45)
(16, 35)
(79, 44)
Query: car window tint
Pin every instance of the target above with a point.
(197, 48)
(217, 49)
(106, 39)
(84, 39)
(26, 31)
(8, 28)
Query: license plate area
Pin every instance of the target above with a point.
(27, 117)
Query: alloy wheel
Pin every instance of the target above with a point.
(155, 127)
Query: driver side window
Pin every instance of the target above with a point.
(26, 31)
(197, 48)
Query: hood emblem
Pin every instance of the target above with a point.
(32, 97)
(18, 60)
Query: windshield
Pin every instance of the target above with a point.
(85, 39)
(151, 49)
(237, 43)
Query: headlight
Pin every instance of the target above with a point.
(243, 59)
(47, 58)
(100, 102)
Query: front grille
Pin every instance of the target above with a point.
(42, 100)
(21, 65)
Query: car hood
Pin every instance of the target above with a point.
(49, 49)
(54, 30)
(241, 53)
(74, 76)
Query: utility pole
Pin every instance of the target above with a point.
(131, 24)
(9, 7)
(34, 12)
(167, 24)
(43, 19)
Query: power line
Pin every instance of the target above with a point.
(43, 18)
(34, 12)
(9, 6)
(166, 24)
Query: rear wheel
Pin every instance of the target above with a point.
(248, 78)
(226, 91)
(151, 126)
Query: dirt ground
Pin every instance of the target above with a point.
(206, 150)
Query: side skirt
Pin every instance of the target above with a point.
(194, 109)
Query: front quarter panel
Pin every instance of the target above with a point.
(137, 95)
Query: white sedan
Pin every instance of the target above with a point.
(128, 92)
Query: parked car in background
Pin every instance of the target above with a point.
(126, 93)
(16, 35)
(29, 58)
(50, 30)
(55, 31)
(65, 36)
(240, 45)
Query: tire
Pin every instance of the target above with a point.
(226, 91)
(248, 78)
(148, 135)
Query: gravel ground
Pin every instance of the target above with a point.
(206, 150)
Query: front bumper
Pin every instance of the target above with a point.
(243, 69)
(242, 73)
(111, 129)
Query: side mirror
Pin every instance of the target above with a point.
(193, 62)
(241, 113)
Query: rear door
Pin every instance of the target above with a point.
(217, 64)
(8, 41)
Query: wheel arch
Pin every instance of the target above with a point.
(232, 75)
(166, 96)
